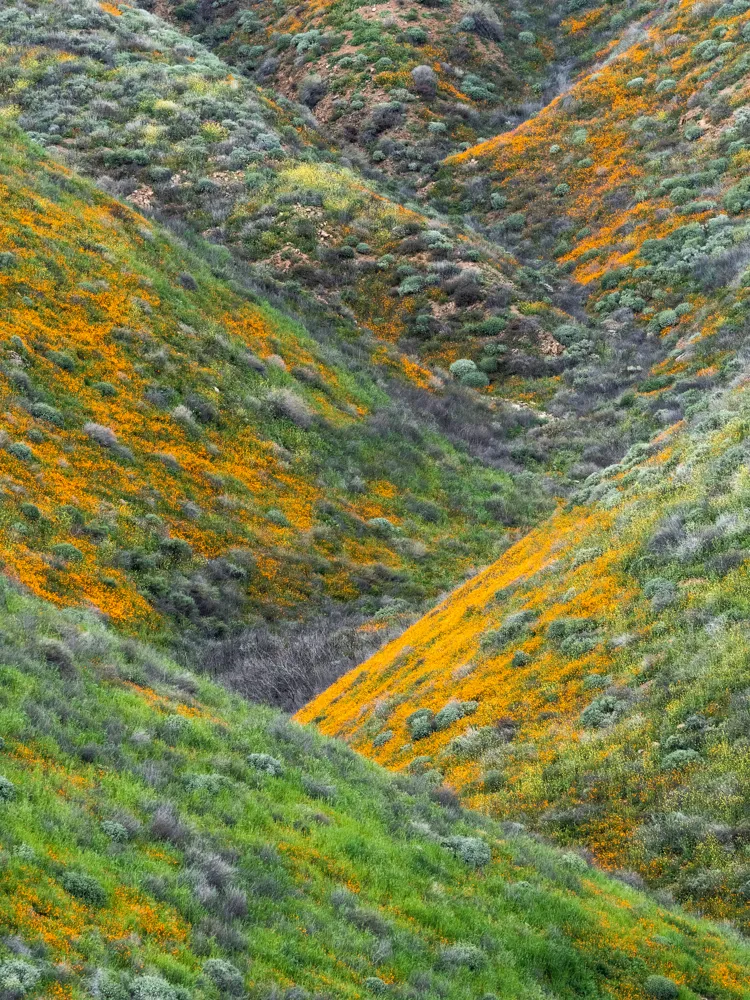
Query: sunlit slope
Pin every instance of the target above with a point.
(594, 681)
(164, 841)
(183, 458)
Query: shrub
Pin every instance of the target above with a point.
(318, 789)
(312, 90)
(21, 451)
(678, 759)
(102, 435)
(453, 712)
(421, 724)
(7, 789)
(376, 985)
(84, 887)
(661, 988)
(382, 738)
(17, 978)
(462, 367)
(424, 81)
(475, 741)
(514, 626)
(226, 977)
(289, 405)
(466, 956)
(266, 763)
(475, 379)
(57, 652)
(156, 988)
(661, 593)
(42, 411)
(115, 831)
(471, 850)
(67, 552)
(411, 285)
(520, 659)
(603, 711)
(675, 833)
(166, 825)
(706, 50)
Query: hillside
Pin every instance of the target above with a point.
(406, 85)
(160, 121)
(162, 840)
(188, 461)
(589, 683)
(384, 363)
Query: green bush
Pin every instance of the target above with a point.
(661, 988)
(678, 759)
(466, 956)
(382, 738)
(226, 977)
(84, 887)
(266, 763)
(7, 789)
(421, 724)
(603, 711)
(471, 850)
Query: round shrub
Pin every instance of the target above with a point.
(156, 988)
(7, 790)
(476, 379)
(382, 738)
(603, 711)
(471, 850)
(420, 724)
(266, 763)
(661, 988)
(424, 81)
(115, 831)
(226, 977)
(376, 985)
(462, 367)
(520, 659)
(21, 451)
(312, 90)
(678, 759)
(84, 887)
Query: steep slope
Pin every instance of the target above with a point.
(187, 460)
(164, 841)
(157, 119)
(407, 84)
(594, 682)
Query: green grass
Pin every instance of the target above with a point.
(140, 839)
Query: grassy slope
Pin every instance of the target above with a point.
(140, 845)
(605, 652)
(236, 435)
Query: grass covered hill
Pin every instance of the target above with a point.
(161, 840)
(186, 459)
(593, 683)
